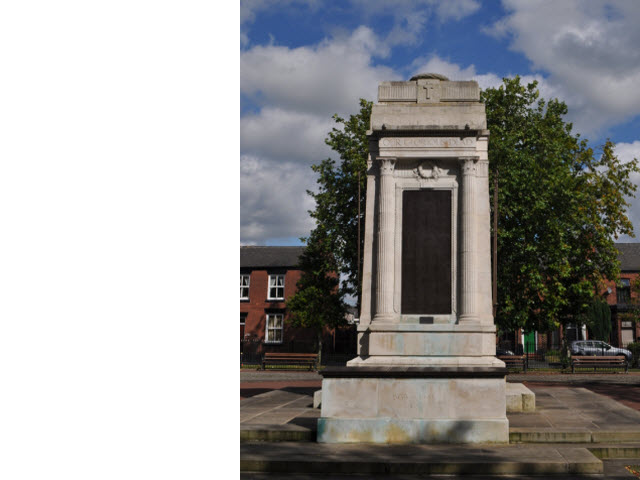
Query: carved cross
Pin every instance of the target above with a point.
(427, 87)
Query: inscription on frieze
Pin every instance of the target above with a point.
(426, 142)
(460, 91)
(397, 92)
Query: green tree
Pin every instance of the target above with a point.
(332, 246)
(318, 300)
(561, 206)
(597, 318)
(340, 197)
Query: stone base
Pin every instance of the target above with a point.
(422, 361)
(414, 405)
(396, 430)
(426, 341)
(520, 399)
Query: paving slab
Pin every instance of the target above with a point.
(570, 412)
(297, 457)
(563, 415)
(276, 407)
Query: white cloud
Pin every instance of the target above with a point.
(410, 18)
(298, 89)
(445, 11)
(274, 202)
(590, 50)
(627, 152)
(324, 79)
(285, 135)
(456, 9)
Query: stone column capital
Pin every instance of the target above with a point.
(469, 165)
(387, 165)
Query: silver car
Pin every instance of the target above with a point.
(596, 347)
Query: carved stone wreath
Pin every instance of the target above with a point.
(428, 170)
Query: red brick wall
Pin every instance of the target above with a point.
(612, 299)
(257, 307)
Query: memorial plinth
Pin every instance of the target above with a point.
(426, 370)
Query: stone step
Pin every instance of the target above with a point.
(313, 458)
(616, 451)
(277, 433)
(299, 433)
(577, 435)
(520, 398)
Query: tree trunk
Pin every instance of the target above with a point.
(319, 347)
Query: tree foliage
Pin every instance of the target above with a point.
(597, 318)
(318, 300)
(561, 206)
(332, 246)
(337, 197)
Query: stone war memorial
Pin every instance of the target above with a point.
(426, 370)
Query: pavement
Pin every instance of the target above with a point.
(622, 387)
(584, 424)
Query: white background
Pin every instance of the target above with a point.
(119, 207)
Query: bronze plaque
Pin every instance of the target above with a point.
(426, 252)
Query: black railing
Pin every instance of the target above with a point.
(536, 357)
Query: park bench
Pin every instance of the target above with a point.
(514, 361)
(285, 359)
(598, 362)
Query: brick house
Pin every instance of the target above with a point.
(619, 296)
(268, 277)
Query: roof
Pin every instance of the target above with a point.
(252, 257)
(629, 256)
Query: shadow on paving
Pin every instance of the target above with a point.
(628, 395)
(250, 392)
(613, 470)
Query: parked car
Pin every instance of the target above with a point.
(503, 351)
(596, 347)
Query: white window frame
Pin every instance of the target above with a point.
(273, 283)
(624, 289)
(248, 277)
(271, 317)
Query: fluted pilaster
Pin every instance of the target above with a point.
(386, 235)
(468, 257)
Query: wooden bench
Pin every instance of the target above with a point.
(514, 361)
(309, 359)
(599, 362)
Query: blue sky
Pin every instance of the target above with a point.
(301, 61)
